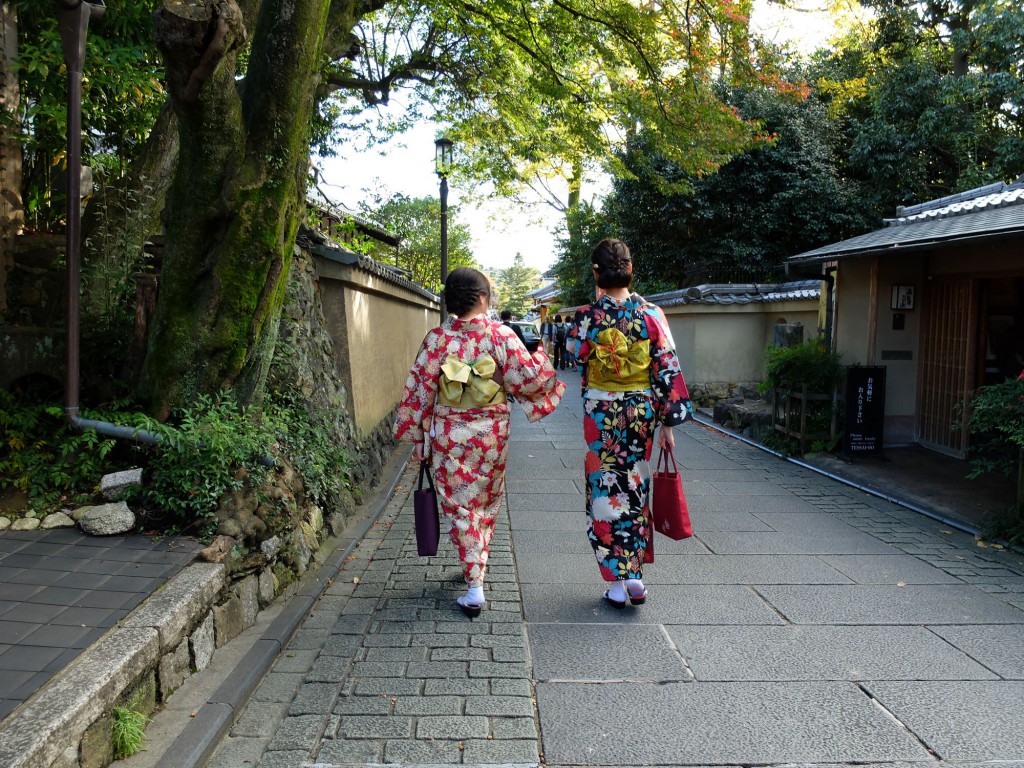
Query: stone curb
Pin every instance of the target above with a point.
(201, 736)
(53, 720)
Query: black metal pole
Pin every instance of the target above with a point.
(444, 238)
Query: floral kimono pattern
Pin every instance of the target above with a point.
(618, 426)
(469, 445)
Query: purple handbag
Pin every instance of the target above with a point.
(428, 524)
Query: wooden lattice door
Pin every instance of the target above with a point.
(947, 364)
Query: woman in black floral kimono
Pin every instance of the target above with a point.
(631, 384)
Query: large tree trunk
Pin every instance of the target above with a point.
(11, 211)
(234, 207)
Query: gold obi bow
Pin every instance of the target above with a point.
(469, 385)
(618, 366)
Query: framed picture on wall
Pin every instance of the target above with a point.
(902, 297)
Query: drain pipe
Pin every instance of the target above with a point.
(73, 21)
(845, 481)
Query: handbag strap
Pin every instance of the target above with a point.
(425, 471)
(663, 459)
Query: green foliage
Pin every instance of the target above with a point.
(996, 424)
(127, 730)
(417, 221)
(304, 440)
(514, 283)
(47, 459)
(810, 364)
(739, 222)
(121, 96)
(210, 449)
(585, 228)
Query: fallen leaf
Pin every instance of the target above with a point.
(194, 713)
(355, 579)
(901, 583)
(981, 544)
(530, 456)
(996, 546)
(948, 533)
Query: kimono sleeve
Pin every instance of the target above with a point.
(671, 398)
(530, 379)
(416, 408)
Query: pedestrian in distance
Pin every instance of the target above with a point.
(506, 319)
(547, 336)
(455, 411)
(631, 384)
(558, 358)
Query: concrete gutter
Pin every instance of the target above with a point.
(204, 732)
(47, 729)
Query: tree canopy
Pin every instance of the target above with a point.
(514, 283)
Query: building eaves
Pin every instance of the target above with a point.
(929, 233)
(739, 293)
(321, 246)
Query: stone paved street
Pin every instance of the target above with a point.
(806, 622)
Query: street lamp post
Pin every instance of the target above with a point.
(443, 166)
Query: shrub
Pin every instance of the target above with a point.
(789, 368)
(997, 426)
(47, 459)
(210, 449)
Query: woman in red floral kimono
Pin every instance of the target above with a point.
(631, 384)
(457, 394)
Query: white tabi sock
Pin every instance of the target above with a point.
(475, 596)
(617, 592)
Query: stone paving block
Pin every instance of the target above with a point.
(329, 669)
(577, 652)
(314, 698)
(362, 705)
(960, 721)
(514, 728)
(883, 604)
(461, 654)
(438, 669)
(822, 653)
(308, 639)
(1000, 648)
(365, 669)
(512, 640)
(298, 733)
(401, 654)
(501, 752)
(795, 543)
(389, 686)
(459, 728)
(719, 723)
(454, 687)
(284, 759)
(295, 661)
(509, 654)
(279, 687)
(499, 706)
(374, 727)
(340, 645)
(350, 752)
(493, 669)
(383, 641)
(888, 569)
(260, 719)
(696, 604)
(428, 705)
(235, 752)
(422, 752)
(511, 687)
(440, 641)
(351, 625)
(565, 542)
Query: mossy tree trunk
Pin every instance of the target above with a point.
(237, 197)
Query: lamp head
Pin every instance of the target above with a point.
(443, 156)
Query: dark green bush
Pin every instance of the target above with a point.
(789, 368)
(996, 424)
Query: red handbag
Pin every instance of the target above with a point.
(668, 505)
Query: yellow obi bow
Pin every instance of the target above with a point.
(618, 366)
(469, 385)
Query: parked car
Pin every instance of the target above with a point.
(530, 334)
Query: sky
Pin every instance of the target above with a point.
(500, 229)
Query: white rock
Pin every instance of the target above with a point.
(5, 523)
(271, 547)
(25, 524)
(201, 642)
(114, 486)
(57, 520)
(106, 519)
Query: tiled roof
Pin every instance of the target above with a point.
(985, 213)
(546, 292)
(739, 293)
(320, 245)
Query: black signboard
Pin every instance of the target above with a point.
(864, 409)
